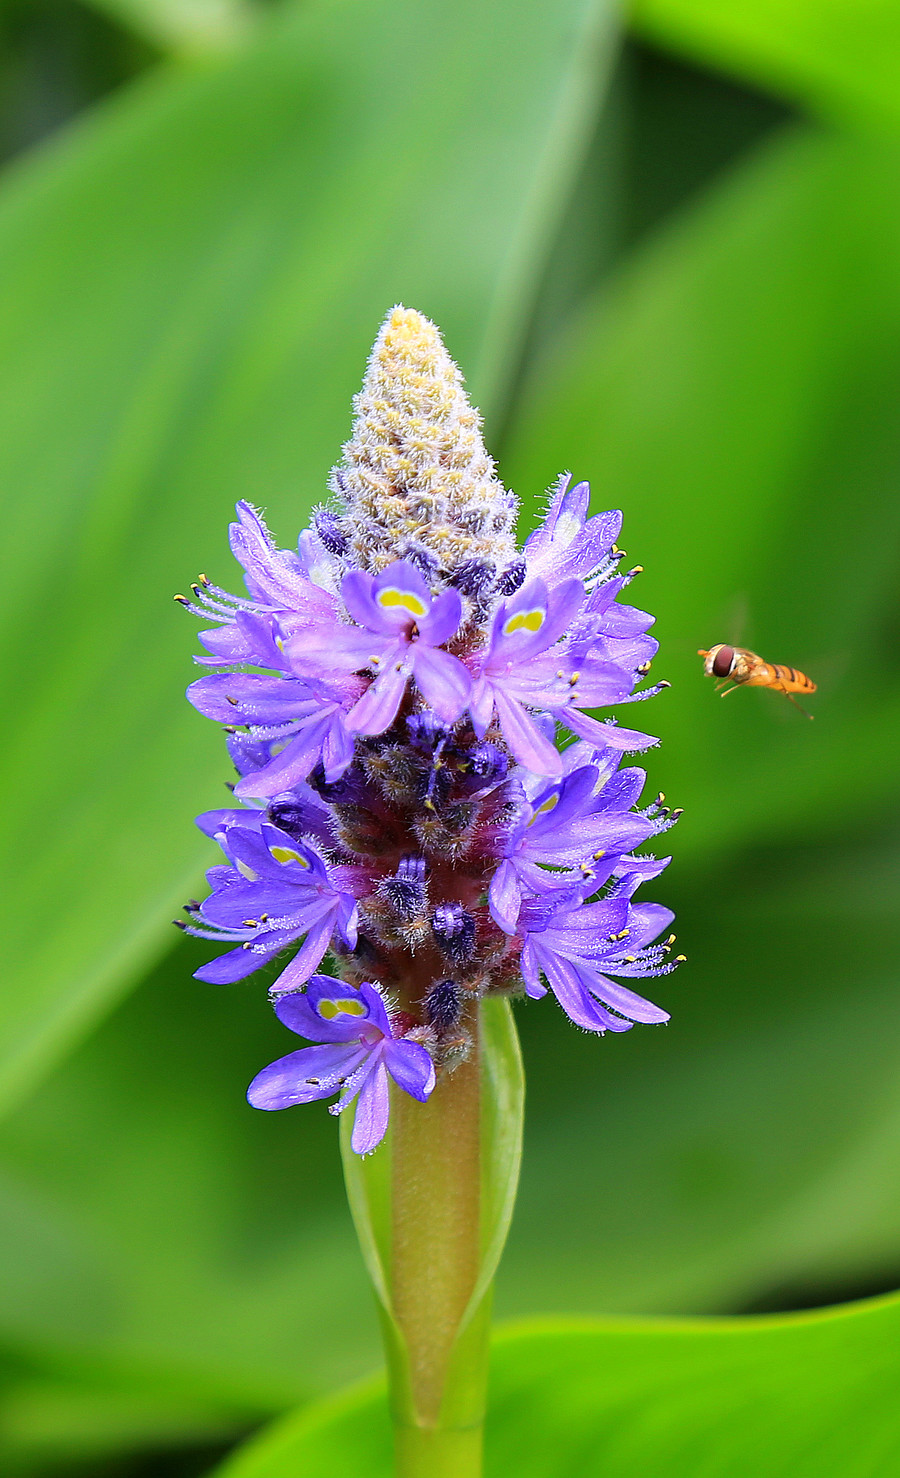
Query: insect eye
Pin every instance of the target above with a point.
(723, 661)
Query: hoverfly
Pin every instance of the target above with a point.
(744, 669)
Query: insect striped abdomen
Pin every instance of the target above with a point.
(791, 680)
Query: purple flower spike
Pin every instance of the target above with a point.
(275, 891)
(399, 634)
(359, 1049)
(391, 689)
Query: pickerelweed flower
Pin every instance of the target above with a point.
(358, 1050)
(391, 691)
(275, 892)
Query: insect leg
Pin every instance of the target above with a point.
(803, 710)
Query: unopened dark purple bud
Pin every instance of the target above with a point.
(485, 766)
(353, 789)
(426, 731)
(329, 531)
(454, 931)
(512, 577)
(299, 817)
(405, 891)
(425, 562)
(412, 869)
(722, 661)
(443, 1007)
(474, 578)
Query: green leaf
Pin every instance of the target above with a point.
(152, 1222)
(841, 58)
(190, 285)
(185, 27)
(733, 391)
(81, 1411)
(804, 1397)
(746, 1152)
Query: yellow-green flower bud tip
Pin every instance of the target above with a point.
(415, 480)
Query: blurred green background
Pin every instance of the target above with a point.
(664, 246)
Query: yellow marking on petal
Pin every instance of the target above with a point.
(524, 621)
(287, 854)
(247, 872)
(341, 1005)
(391, 596)
(545, 806)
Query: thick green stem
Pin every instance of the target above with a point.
(436, 1226)
(438, 1452)
(432, 1207)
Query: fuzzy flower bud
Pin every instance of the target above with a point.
(416, 481)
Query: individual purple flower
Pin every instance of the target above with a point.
(307, 720)
(581, 826)
(527, 666)
(274, 891)
(618, 633)
(399, 634)
(576, 946)
(358, 1049)
(279, 583)
(568, 543)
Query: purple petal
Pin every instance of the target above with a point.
(647, 921)
(274, 576)
(401, 595)
(328, 650)
(628, 741)
(377, 708)
(514, 636)
(505, 897)
(372, 1111)
(346, 922)
(237, 964)
(530, 968)
(292, 765)
(411, 1068)
(442, 620)
(356, 593)
(442, 680)
(285, 1083)
(301, 1013)
(229, 697)
(230, 907)
(309, 955)
(524, 737)
(626, 1002)
(481, 705)
(212, 822)
(578, 1005)
(337, 748)
(377, 1009)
